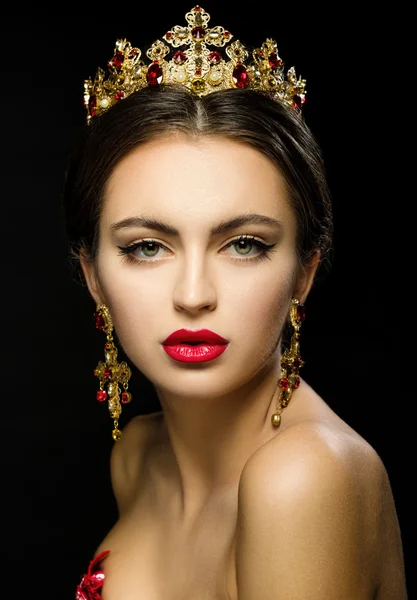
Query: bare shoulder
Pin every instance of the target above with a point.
(319, 495)
(316, 446)
(127, 456)
(319, 458)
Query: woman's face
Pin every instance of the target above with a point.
(192, 277)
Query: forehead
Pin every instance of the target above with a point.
(186, 180)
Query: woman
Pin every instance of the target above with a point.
(198, 212)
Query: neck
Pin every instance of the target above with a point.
(211, 438)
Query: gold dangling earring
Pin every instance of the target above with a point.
(111, 372)
(290, 362)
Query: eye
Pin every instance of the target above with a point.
(149, 249)
(245, 244)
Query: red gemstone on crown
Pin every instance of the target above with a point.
(226, 34)
(215, 57)
(179, 57)
(92, 110)
(197, 8)
(198, 71)
(101, 395)
(198, 33)
(168, 34)
(119, 96)
(240, 76)
(274, 60)
(298, 101)
(118, 59)
(99, 321)
(154, 75)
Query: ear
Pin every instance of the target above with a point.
(91, 278)
(305, 278)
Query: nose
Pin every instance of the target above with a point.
(194, 290)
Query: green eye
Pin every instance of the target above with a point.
(151, 246)
(243, 245)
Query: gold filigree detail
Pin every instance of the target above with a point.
(111, 373)
(183, 57)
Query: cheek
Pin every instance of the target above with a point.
(261, 311)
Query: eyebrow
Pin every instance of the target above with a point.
(222, 227)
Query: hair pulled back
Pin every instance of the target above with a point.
(247, 116)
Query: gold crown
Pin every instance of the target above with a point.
(192, 64)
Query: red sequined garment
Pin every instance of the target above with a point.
(92, 581)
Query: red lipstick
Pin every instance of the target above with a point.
(203, 345)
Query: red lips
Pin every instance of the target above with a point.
(186, 335)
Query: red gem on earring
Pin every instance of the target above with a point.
(284, 383)
(99, 321)
(126, 397)
(296, 383)
(107, 373)
(301, 313)
(101, 395)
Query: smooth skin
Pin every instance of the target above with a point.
(215, 503)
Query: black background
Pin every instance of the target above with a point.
(56, 436)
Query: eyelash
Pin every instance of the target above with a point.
(266, 249)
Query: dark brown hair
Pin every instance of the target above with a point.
(246, 116)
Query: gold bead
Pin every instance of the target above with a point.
(117, 435)
(276, 420)
(270, 82)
